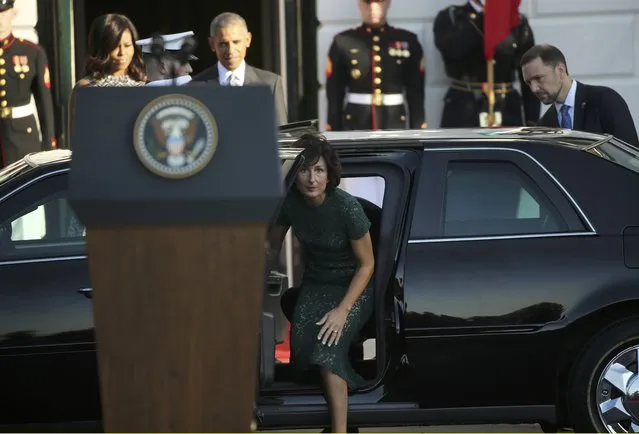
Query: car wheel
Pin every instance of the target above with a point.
(604, 391)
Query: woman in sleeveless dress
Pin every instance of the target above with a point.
(335, 299)
(114, 59)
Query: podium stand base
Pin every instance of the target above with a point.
(177, 343)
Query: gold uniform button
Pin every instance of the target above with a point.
(376, 47)
(2, 61)
(378, 69)
(377, 58)
(402, 118)
(22, 76)
(378, 91)
(354, 62)
(29, 130)
(375, 38)
(3, 92)
(1, 51)
(378, 80)
(3, 82)
(3, 71)
(3, 104)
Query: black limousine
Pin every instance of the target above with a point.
(507, 286)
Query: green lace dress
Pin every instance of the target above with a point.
(324, 233)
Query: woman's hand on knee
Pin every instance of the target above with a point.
(332, 326)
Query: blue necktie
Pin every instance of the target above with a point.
(566, 121)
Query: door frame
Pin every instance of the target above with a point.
(397, 168)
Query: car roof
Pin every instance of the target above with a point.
(400, 138)
(39, 159)
(432, 137)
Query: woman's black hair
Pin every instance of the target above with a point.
(104, 36)
(316, 146)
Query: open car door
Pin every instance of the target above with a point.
(293, 129)
(273, 322)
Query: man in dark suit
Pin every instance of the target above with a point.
(229, 41)
(578, 106)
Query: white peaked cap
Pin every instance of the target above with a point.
(172, 42)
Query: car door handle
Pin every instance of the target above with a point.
(87, 292)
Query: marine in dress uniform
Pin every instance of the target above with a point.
(458, 32)
(160, 72)
(24, 71)
(378, 71)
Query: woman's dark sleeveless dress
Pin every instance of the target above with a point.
(325, 232)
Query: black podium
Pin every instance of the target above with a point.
(176, 186)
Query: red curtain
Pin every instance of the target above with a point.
(500, 17)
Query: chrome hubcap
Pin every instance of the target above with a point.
(618, 392)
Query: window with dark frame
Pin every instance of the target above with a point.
(42, 225)
(496, 198)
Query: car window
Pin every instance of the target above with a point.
(40, 223)
(495, 198)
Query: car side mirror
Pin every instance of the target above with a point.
(276, 283)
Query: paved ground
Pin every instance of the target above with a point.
(451, 428)
(85, 428)
(465, 428)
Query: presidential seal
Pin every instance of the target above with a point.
(175, 136)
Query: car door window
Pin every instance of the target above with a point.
(496, 198)
(40, 223)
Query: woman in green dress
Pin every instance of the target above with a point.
(335, 299)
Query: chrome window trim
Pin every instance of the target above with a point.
(572, 200)
(39, 260)
(500, 237)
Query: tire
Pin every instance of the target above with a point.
(585, 393)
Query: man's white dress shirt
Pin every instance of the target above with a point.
(225, 74)
(570, 102)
